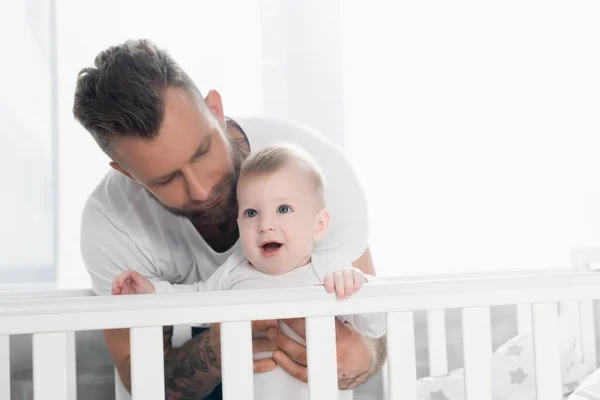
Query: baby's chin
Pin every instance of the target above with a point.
(271, 270)
(271, 266)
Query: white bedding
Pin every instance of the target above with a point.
(589, 389)
(513, 376)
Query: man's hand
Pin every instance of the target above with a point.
(354, 354)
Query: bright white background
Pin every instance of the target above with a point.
(476, 129)
(473, 125)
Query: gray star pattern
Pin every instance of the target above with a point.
(517, 376)
(439, 395)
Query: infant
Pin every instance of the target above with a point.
(281, 215)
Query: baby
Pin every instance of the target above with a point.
(281, 216)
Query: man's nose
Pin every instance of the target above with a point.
(199, 187)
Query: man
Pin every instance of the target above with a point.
(168, 208)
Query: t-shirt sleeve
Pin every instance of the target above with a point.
(107, 250)
(346, 201)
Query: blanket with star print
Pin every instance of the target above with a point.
(589, 389)
(513, 372)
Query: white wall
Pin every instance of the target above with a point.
(26, 211)
(474, 126)
(83, 28)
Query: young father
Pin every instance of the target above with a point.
(167, 208)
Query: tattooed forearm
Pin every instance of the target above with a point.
(192, 370)
(378, 349)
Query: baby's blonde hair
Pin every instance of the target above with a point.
(271, 159)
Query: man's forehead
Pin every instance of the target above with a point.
(184, 110)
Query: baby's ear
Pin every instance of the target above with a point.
(322, 224)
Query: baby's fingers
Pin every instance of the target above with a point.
(329, 284)
(338, 278)
(116, 287)
(349, 282)
(359, 279)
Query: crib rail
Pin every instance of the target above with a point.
(52, 320)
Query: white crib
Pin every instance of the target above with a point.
(53, 317)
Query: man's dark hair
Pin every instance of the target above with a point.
(122, 96)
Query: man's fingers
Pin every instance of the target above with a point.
(264, 365)
(261, 326)
(263, 344)
(297, 371)
(298, 325)
(293, 349)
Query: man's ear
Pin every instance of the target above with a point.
(120, 169)
(322, 224)
(215, 104)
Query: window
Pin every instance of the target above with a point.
(474, 127)
(28, 137)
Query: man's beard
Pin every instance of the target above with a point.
(227, 207)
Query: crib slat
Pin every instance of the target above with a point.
(546, 351)
(147, 363)
(4, 367)
(321, 357)
(51, 366)
(402, 367)
(477, 352)
(71, 366)
(436, 340)
(181, 334)
(523, 318)
(588, 334)
(236, 360)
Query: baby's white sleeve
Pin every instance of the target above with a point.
(162, 287)
(213, 283)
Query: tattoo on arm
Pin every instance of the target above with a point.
(192, 370)
(378, 349)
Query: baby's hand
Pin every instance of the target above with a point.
(344, 282)
(130, 282)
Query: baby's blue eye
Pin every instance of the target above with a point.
(283, 209)
(251, 213)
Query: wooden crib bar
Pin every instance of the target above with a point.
(477, 352)
(4, 367)
(587, 334)
(147, 363)
(436, 342)
(236, 360)
(546, 351)
(322, 359)
(402, 369)
(53, 361)
(53, 366)
(523, 318)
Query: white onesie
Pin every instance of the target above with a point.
(238, 274)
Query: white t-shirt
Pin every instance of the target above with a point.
(238, 274)
(123, 228)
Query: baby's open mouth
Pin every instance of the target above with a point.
(270, 247)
